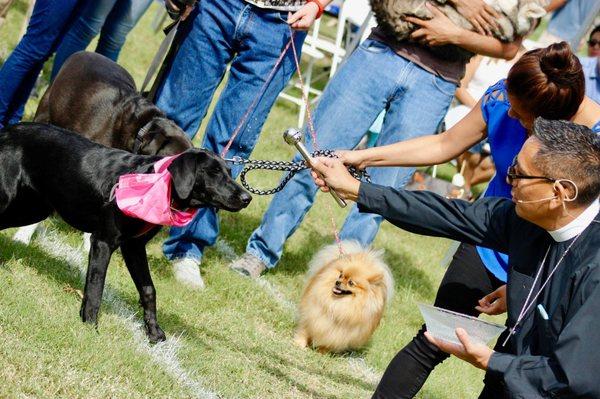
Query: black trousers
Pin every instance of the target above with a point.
(466, 281)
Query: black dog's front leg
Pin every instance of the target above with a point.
(100, 253)
(134, 254)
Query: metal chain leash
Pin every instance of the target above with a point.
(291, 167)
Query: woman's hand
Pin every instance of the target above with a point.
(331, 173)
(352, 158)
(480, 14)
(494, 303)
(304, 17)
(437, 31)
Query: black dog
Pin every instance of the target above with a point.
(97, 98)
(47, 169)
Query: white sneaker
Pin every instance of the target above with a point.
(187, 271)
(25, 233)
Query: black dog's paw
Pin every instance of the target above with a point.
(88, 314)
(155, 334)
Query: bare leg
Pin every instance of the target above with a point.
(484, 171)
(471, 161)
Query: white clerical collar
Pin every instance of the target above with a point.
(576, 226)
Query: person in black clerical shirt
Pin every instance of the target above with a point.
(550, 230)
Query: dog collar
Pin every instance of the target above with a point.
(139, 137)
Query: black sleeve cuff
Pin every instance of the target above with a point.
(499, 363)
(369, 197)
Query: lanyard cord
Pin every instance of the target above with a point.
(529, 303)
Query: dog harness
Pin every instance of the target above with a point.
(147, 196)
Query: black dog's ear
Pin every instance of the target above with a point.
(183, 172)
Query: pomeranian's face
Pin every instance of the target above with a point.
(343, 299)
(350, 277)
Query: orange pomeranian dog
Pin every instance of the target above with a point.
(344, 298)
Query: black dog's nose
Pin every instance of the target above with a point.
(337, 283)
(246, 198)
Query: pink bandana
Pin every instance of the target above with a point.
(147, 196)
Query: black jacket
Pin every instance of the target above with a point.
(559, 357)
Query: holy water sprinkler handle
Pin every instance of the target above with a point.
(294, 137)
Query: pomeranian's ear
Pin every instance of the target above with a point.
(375, 279)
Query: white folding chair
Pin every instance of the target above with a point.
(316, 47)
(313, 55)
(353, 13)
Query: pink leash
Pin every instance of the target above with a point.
(257, 99)
(311, 127)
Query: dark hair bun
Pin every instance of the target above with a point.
(560, 65)
(550, 80)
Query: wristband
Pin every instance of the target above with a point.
(318, 3)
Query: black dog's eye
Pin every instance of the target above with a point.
(351, 283)
(341, 275)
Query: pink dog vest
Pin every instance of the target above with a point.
(147, 196)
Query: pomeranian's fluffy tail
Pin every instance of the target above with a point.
(331, 252)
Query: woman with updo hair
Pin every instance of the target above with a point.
(545, 82)
(550, 80)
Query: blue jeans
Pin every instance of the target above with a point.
(49, 21)
(571, 21)
(251, 39)
(116, 18)
(374, 78)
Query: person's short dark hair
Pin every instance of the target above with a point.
(595, 30)
(569, 151)
(549, 81)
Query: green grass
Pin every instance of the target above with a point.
(234, 338)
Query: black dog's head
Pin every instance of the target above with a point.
(201, 178)
(163, 137)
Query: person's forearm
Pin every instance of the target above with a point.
(486, 45)
(555, 4)
(324, 3)
(421, 151)
(463, 95)
(426, 150)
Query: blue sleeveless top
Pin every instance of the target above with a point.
(506, 137)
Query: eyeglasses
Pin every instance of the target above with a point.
(512, 174)
(593, 43)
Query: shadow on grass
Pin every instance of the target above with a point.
(56, 270)
(236, 229)
(62, 274)
(277, 364)
(408, 276)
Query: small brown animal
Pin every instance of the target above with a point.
(344, 298)
(517, 17)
